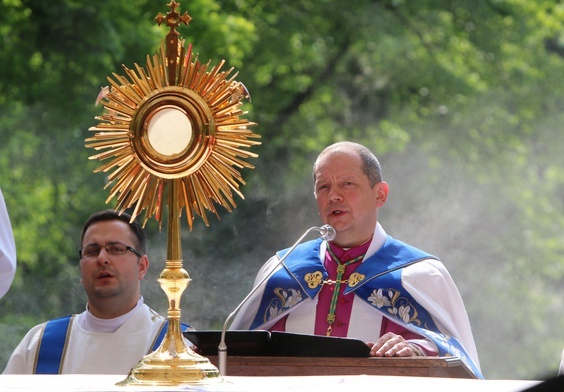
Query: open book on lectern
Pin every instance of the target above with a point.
(281, 344)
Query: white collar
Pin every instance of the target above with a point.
(91, 323)
(378, 240)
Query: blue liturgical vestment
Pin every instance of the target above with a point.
(377, 282)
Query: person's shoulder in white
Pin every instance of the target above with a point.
(7, 249)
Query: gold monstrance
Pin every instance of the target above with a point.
(174, 136)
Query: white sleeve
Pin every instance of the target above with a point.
(7, 249)
(431, 285)
(561, 368)
(249, 309)
(23, 358)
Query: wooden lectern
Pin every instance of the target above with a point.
(264, 353)
(450, 367)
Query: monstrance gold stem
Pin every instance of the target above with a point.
(173, 363)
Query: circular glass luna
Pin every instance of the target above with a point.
(173, 132)
(169, 131)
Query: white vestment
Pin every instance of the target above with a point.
(7, 249)
(94, 352)
(427, 281)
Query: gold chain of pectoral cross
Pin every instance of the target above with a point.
(330, 282)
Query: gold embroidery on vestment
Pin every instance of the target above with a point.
(313, 279)
(355, 279)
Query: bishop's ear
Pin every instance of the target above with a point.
(382, 189)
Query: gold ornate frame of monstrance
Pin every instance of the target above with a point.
(174, 136)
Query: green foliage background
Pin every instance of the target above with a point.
(461, 100)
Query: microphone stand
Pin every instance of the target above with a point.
(327, 233)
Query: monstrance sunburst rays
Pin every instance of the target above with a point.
(206, 169)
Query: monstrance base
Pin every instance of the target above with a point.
(162, 369)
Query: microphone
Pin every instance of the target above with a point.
(326, 232)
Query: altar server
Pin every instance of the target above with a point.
(117, 328)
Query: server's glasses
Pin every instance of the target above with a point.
(113, 249)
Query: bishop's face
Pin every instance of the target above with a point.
(345, 199)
